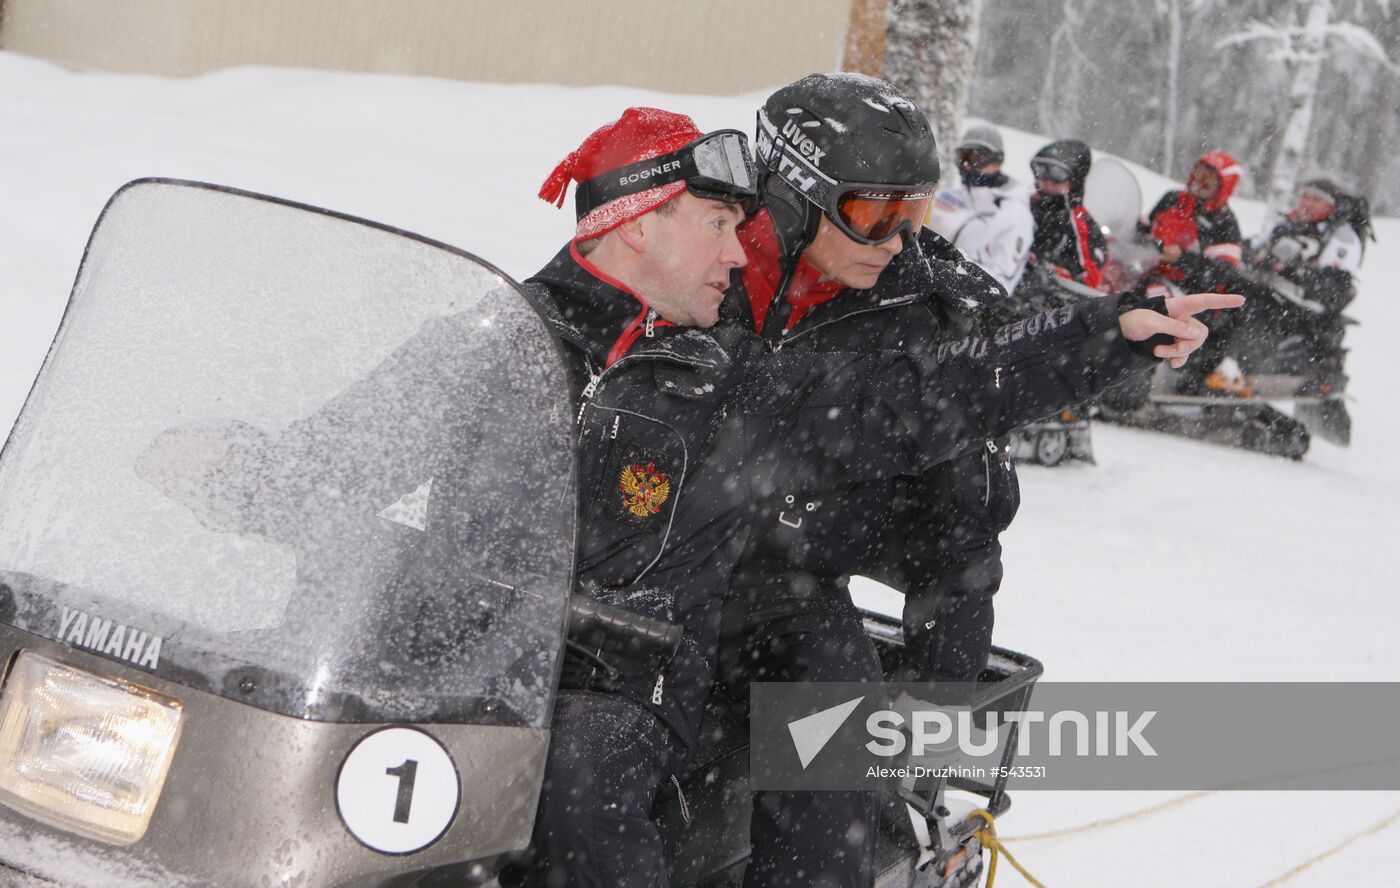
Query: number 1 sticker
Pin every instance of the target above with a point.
(397, 791)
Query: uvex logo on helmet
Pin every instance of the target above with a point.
(792, 131)
(781, 152)
(845, 128)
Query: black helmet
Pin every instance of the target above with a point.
(825, 133)
(1067, 160)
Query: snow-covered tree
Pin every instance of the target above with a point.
(930, 48)
(1061, 94)
(1169, 13)
(1301, 41)
(1101, 71)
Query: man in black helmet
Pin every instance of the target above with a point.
(837, 262)
(833, 265)
(1068, 242)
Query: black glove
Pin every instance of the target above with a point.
(1137, 298)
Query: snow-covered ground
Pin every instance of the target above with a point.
(1168, 561)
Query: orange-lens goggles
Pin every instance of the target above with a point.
(872, 215)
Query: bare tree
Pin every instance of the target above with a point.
(1301, 42)
(1060, 88)
(1169, 12)
(929, 51)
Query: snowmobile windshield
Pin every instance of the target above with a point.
(298, 460)
(1113, 197)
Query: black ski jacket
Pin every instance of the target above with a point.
(683, 434)
(1067, 238)
(932, 535)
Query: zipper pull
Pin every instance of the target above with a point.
(998, 377)
(656, 691)
(651, 323)
(588, 391)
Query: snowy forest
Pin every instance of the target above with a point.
(1160, 81)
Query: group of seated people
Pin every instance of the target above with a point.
(1301, 268)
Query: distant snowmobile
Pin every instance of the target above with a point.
(255, 637)
(1244, 411)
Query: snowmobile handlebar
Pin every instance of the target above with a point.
(608, 627)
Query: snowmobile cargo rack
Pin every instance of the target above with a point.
(1005, 685)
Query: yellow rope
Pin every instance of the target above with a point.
(989, 838)
(987, 835)
(1189, 797)
(1330, 851)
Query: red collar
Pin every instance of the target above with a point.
(762, 274)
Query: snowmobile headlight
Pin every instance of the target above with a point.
(84, 752)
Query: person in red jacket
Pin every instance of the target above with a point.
(1200, 241)
(1198, 219)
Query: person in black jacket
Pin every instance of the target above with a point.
(1309, 261)
(682, 430)
(810, 286)
(1068, 243)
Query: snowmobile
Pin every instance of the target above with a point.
(1239, 411)
(1068, 434)
(1050, 442)
(249, 633)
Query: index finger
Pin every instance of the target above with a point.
(1195, 303)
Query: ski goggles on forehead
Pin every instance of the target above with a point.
(1050, 170)
(872, 214)
(717, 167)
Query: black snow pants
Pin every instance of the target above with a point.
(803, 839)
(608, 760)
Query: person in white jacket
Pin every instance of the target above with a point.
(988, 216)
